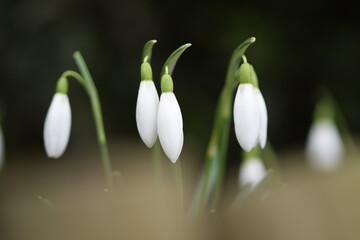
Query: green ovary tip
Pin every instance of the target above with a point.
(167, 84)
(62, 85)
(146, 72)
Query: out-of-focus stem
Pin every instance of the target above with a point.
(179, 184)
(158, 169)
(212, 177)
(91, 90)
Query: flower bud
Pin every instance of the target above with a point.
(250, 113)
(170, 126)
(57, 126)
(146, 112)
(252, 172)
(246, 116)
(324, 147)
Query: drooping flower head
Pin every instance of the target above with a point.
(252, 172)
(58, 122)
(147, 106)
(324, 147)
(169, 120)
(250, 114)
(252, 169)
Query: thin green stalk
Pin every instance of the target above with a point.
(158, 169)
(212, 177)
(97, 113)
(74, 75)
(179, 184)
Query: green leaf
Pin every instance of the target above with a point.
(173, 58)
(210, 185)
(147, 51)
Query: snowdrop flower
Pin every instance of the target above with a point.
(2, 148)
(58, 122)
(250, 114)
(324, 147)
(147, 107)
(169, 120)
(252, 172)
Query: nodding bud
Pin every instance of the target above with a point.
(252, 172)
(57, 126)
(167, 84)
(170, 126)
(146, 72)
(250, 112)
(324, 147)
(146, 112)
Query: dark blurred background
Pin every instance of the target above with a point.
(300, 45)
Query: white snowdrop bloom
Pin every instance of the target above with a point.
(247, 116)
(57, 126)
(252, 172)
(263, 118)
(324, 147)
(170, 126)
(146, 112)
(2, 148)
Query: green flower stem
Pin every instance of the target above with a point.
(210, 184)
(91, 90)
(179, 184)
(74, 75)
(158, 169)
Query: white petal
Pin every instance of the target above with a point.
(2, 148)
(252, 172)
(246, 116)
(324, 148)
(170, 126)
(57, 126)
(146, 112)
(263, 119)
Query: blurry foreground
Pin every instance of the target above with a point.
(305, 206)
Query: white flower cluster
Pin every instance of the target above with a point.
(159, 118)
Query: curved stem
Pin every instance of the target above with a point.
(91, 90)
(210, 184)
(74, 75)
